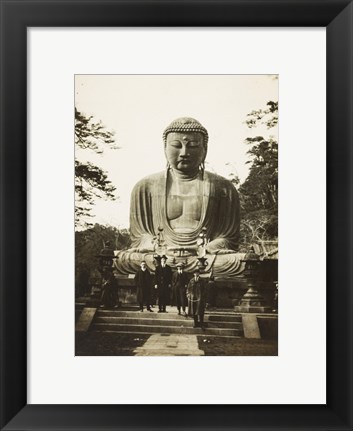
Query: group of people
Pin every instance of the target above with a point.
(172, 288)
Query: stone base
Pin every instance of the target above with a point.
(85, 320)
(252, 309)
(225, 293)
(268, 326)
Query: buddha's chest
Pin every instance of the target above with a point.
(184, 205)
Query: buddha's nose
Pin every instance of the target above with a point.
(184, 151)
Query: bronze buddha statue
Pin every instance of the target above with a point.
(185, 202)
(185, 198)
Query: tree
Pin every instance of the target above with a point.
(91, 182)
(88, 244)
(259, 192)
(269, 116)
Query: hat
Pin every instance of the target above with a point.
(164, 257)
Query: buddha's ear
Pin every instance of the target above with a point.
(165, 155)
(204, 144)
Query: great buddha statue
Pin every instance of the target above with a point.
(189, 207)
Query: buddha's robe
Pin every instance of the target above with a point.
(219, 214)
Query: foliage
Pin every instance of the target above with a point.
(268, 116)
(259, 192)
(259, 226)
(233, 176)
(91, 182)
(88, 245)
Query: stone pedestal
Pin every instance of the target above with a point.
(252, 301)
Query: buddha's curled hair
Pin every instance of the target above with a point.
(186, 124)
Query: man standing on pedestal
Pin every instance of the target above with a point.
(143, 281)
(163, 281)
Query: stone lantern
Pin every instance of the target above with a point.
(159, 243)
(106, 257)
(252, 301)
(202, 242)
(105, 264)
(202, 263)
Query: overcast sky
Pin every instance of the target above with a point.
(139, 107)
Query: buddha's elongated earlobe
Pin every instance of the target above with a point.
(202, 168)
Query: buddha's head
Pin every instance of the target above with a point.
(185, 145)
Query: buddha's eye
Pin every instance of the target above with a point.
(194, 144)
(176, 144)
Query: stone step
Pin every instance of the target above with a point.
(152, 329)
(151, 320)
(137, 333)
(138, 314)
(211, 316)
(224, 317)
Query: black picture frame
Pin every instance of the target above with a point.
(16, 16)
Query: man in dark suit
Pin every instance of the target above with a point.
(196, 293)
(143, 281)
(179, 284)
(163, 281)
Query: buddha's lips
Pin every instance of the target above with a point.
(187, 161)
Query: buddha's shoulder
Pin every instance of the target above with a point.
(218, 179)
(150, 180)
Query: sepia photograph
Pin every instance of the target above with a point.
(176, 215)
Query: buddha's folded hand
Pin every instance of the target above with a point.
(219, 246)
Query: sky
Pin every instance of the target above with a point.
(139, 107)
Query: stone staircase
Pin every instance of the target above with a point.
(220, 324)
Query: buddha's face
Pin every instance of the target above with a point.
(185, 151)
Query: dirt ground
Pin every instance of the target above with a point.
(110, 344)
(216, 346)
